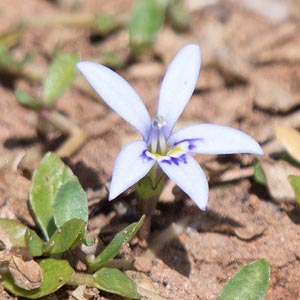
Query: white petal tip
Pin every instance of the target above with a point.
(113, 193)
(193, 47)
(254, 148)
(203, 208)
(111, 197)
(260, 151)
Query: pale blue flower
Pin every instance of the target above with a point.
(159, 144)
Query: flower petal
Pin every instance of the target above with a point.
(118, 94)
(214, 139)
(178, 84)
(130, 166)
(188, 175)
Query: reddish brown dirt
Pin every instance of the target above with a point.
(233, 38)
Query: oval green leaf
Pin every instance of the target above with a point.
(114, 247)
(146, 19)
(249, 283)
(65, 237)
(15, 232)
(33, 243)
(115, 282)
(56, 273)
(60, 75)
(47, 179)
(70, 202)
(294, 181)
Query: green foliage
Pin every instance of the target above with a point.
(59, 205)
(69, 235)
(33, 243)
(60, 75)
(104, 24)
(114, 281)
(28, 101)
(294, 181)
(50, 182)
(249, 283)
(112, 60)
(259, 175)
(15, 231)
(9, 63)
(116, 245)
(178, 16)
(5, 57)
(146, 19)
(70, 202)
(56, 273)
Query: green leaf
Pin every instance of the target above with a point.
(112, 60)
(178, 16)
(249, 283)
(33, 243)
(26, 100)
(5, 57)
(56, 273)
(65, 237)
(60, 75)
(146, 19)
(47, 180)
(15, 231)
(105, 24)
(259, 175)
(11, 38)
(294, 181)
(70, 203)
(164, 4)
(116, 244)
(114, 281)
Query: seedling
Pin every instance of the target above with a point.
(33, 266)
(60, 75)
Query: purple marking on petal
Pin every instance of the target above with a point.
(183, 158)
(191, 146)
(176, 160)
(145, 156)
(191, 143)
(167, 161)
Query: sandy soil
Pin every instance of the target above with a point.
(248, 59)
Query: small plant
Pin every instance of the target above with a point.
(33, 267)
(249, 283)
(60, 76)
(161, 151)
(149, 16)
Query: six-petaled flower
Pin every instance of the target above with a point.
(160, 148)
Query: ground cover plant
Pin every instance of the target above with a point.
(244, 245)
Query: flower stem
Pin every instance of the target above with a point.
(148, 193)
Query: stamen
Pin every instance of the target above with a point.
(162, 143)
(158, 140)
(154, 141)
